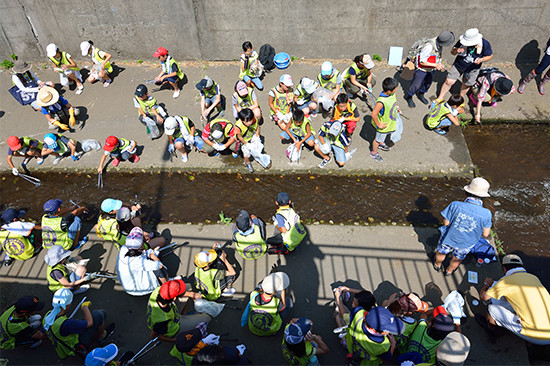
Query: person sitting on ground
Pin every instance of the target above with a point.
(102, 67)
(289, 230)
(249, 236)
(59, 146)
(251, 68)
(269, 305)
(370, 335)
(298, 130)
(453, 350)
(163, 316)
(245, 97)
(170, 71)
(103, 356)
(364, 299)
(218, 136)
(245, 129)
(539, 70)
(214, 274)
(60, 276)
(150, 113)
(27, 82)
(518, 302)
(425, 338)
(214, 354)
(21, 325)
(20, 239)
(182, 136)
(24, 146)
(403, 306)
(190, 342)
(280, 101)
(444, 115)
(332, 136)
(494, 83)
(347, 113)
(358, 77)
(385, 118)
(57, 110)
(139, 270)
(329, 78)
(211, 97)
(73, 336)
(299, 345)
(426, 57)
(303, 94)
(62, 226)
(66, 67)
(120, 149)
(464, 223)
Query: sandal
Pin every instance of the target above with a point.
(437, 269)
(447, 274)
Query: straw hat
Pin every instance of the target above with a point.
(21, 66)
(478, 187)
(47, 96)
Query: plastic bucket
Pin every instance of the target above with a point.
(282, 60)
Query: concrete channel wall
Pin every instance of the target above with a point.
(215, 29)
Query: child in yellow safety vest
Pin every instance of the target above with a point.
(386, 119)
(444, 115)
(170, 73)
(102, 66)
(19, 239)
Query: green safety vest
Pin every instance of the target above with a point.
(264, 320)
(251, 60)
(146, 105)
(183, 358)
(26, 143)
(251, 246)
(108, 229)
(302, 94)
(421, 342)
(122, 144)
(292, 358)
(64, 346)
(359, 342)
(63, 60)
(334, 140)
(17, 246)
(185, 120)
(282, 100)
(95, 54)
(294, 236)
(227, 127)
(390, 113)
(207, 284)
(156, 315)
(359, 73)
(53, 235)
(210, 93)
(245, 102)
(247, 132)
(63, 148)
(437, 113)
(53, 284)
(167, 67)
(10, 326)
(300, 131)
(329, 84)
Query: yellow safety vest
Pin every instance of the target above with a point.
(251, 246)
(247, 132)
(64, 346)
(347, 114)
(282, 101)
(63, 60)
(146, 105)
(329, 84)
(206, 283)
(245, 102)
(156, 315)
(359, 73)
(95, 55)
(437, 113)
(53, 284)
(359, 342)
(52, 234)
(108, 229)
(264, 320)
(10, 326)
(17, 246)
(293, 236)
(389, 116)
(167, 67)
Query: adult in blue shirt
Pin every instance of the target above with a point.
(471, 51)
(57, 110)
(464, 223)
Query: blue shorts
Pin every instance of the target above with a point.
(285, 136)
(74, 228)
(458, 253)
(172, 79)
(339, 154)
(445, 122)
(305, 105)
(256, 82)
(198, 142)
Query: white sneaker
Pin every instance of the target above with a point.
(184, 158)
(176, 94)
(349, 155)
(229, 291)
(51, 126)
(81, 289)
(57, 160)
(79, 90)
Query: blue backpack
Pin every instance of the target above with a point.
(483, 249)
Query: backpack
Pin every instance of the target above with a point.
(487, 71)
(483, 249)
(415, 49)
(267, 53)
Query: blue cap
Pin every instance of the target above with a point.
(101, 356)
(295, 332)
(110, 204)
(382, 320)
(11, 213)
(52, 205)
(51, 140)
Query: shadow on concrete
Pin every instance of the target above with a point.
(528, 57)
(368, 132)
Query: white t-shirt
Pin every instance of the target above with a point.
(19, 227)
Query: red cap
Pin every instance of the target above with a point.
(110, 143)
(172, 289)
(161, 51)
(14, 143)
(439, 310)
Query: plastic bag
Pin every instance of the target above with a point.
(256, 147)
(293, 153)
(90, 144)
(209, 307)
(152, 129)
(454, 303)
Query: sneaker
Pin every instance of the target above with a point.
(184, 158)
(349, 155)
(79, 90)
(57, 160)
(324, 163)
(440, 132)
(76, 156)
(234, 155)
(109, 331)
(384, 147)
(106, 83)
(82, 289)
(134, 158)
(176, 94)
(222, 113)
(249, 167)
(8, 261)
(376, 157)
(39, 161)
(410, 102)
(422, 98)
(51, 126)
(229, 291)
(115, 162)
(25, 162)
(437, 268)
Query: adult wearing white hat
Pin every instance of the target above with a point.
(102, 66)
(518, 302)
(471, 51)
(464, 223)
(57, 110)
(27, 83)
(358, 78)
(66, 67)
